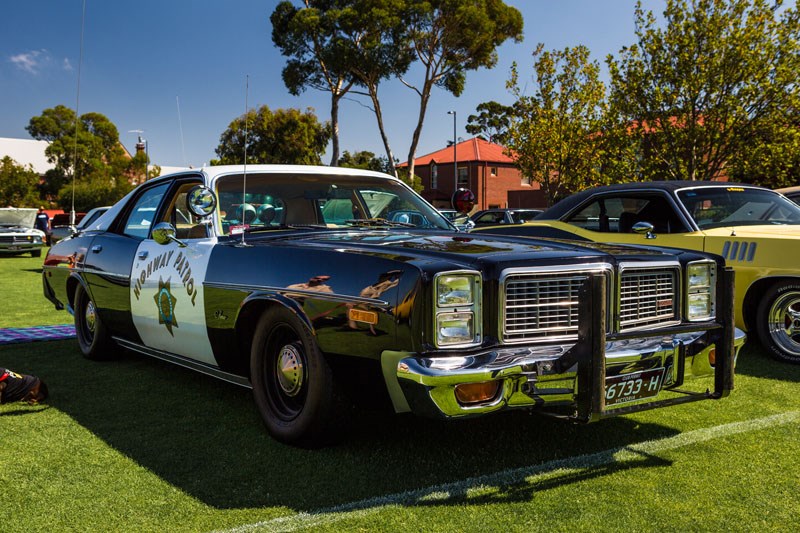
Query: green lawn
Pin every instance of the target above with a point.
(139, 445)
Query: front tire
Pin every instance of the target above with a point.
(293, 384)
(778, 321)
(93, 338)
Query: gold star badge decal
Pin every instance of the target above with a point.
(165, 302)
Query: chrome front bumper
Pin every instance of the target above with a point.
(534, 377)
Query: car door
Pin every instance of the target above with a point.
(611, 217)
(110, 257)
(166, 292)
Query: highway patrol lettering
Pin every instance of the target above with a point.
(181, 266)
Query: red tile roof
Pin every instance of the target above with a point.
(475, 149)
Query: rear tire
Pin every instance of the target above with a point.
(93, 338)
(778, 321)
(293, 385)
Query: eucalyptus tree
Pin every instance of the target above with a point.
(450, 38)
(491, 122)
(698, 89)
(311, 37)
(554, 132)
(378, 50)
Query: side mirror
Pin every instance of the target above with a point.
(201, 201)
(645, 228)
(463, 200)
(164, 233)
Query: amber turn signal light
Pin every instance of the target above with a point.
(712, 356)
(470, 393)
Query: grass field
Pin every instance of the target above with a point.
(139, 445)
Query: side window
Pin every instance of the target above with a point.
(619, 214)
(187, 225)
(144, 211)
(490, 219)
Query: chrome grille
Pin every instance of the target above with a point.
(541, 306)
(648, 297)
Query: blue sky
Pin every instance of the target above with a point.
(145, 61)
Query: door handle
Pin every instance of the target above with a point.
(96, 249)
(143, 254)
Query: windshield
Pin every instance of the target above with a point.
(277, 201)
(713, 207)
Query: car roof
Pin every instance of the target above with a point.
(213, 172)
(567, 204)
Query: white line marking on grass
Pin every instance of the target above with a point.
(516, 476)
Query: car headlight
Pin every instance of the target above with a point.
(457, 313)
(454, 290)
(700, 290)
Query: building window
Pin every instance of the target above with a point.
(434, 176)
(493, 171)
(463, 177)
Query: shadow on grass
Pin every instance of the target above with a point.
(206, 438)
(755, 361)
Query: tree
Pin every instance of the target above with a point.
(772, 158)
(378, 49)
(694, 95)
(93, 192)
(553, 135)
(450, 38)
(311, 38)
(491, 122)
(18, 184)
(284, 136)
(95, 154)
(97, 148)
(365, 160)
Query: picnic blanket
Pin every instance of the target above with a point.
(36, 333)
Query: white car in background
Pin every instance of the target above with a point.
(17, 234)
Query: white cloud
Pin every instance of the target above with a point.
(32, 62)
(67, 65)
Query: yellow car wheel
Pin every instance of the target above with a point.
(779, 321)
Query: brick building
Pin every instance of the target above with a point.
(484, 169)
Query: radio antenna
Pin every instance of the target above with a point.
(244, 169)
(77, 119)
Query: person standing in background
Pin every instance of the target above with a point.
(43, 223)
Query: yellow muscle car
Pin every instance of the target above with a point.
(755, 229)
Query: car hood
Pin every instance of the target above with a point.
(469, 248)
(770, 231)
(17, 217)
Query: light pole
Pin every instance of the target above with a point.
(455, 158)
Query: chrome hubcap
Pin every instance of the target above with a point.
(290, 370)
(90, 316)
(784, 322)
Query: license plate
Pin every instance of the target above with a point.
(631, 387)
